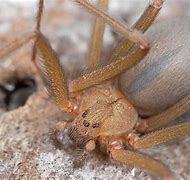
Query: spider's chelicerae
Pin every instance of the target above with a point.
(120, 119)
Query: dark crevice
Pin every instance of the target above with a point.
(16, 94)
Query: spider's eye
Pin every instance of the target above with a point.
(86, 123)
(95, 125)
(84, 114)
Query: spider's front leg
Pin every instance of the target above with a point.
(53, 74)
(54, 78)
(119, 151)
(136, 159)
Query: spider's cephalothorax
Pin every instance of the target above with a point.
(100, 107)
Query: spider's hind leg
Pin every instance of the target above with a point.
(116, 25)
(161, 136)
(164, 118)
(142, 24)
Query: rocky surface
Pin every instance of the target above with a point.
(26, 149)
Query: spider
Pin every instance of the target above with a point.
(103, 116)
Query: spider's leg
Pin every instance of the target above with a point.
(161, 136)
(149, 15)
(53, 74)
(14, 45)
(37, 28)
(127, 32)
(96, 41)
(107, 72)
(136, 159)
(143, 23)
(166, 116)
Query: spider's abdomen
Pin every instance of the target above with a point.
(163, 77)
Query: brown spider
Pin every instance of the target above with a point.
(103, 116)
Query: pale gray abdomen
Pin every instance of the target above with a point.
(163, 76)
